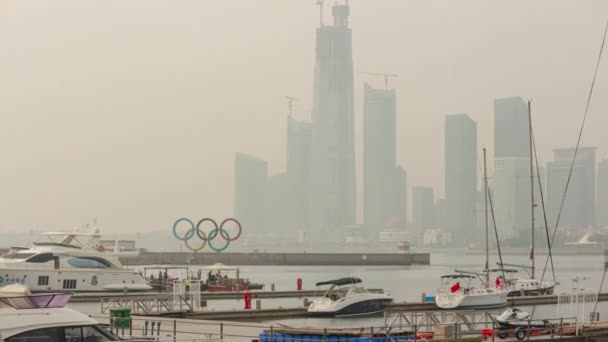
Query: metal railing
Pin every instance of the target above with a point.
(183, 330)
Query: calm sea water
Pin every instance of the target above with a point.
(402, 283)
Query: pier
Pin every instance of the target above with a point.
(168, 305)
(278, 259)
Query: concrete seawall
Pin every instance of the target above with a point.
(292, 259)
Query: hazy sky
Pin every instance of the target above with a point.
(131, 110)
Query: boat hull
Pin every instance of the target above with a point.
(367, 307)
(49, 280)
(356, 305)
(471, 301)
(544, 291)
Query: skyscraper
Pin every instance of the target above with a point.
(511, 130)
(333, 182)
(602, 193)
(579, 206)
(512, 166)
(401, 189)
(461, 176)
(379, 153)
(250, 178)
(278, 211)
(299, 135)
(423, 205)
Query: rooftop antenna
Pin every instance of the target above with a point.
(385, 75)
(290, 100)
(320, 4)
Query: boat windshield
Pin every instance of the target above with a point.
(357, 289)
(18, 255)
(87, 333)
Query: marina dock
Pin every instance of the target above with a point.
(87, 297)
(276, 259)
(180, 307)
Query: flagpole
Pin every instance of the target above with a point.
(485, 191)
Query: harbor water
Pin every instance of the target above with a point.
(403, 283)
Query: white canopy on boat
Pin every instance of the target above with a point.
(221, 267)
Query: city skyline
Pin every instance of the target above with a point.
(191, 100)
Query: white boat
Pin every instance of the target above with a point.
(459, 291)
(68, 266)
(354, 301)
(525, 287)
(43, 317)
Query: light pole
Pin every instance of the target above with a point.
(576, 292)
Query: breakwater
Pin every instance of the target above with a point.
(270, 259)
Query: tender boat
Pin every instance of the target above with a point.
(219, 281)
(68, 266)
(354, 301)
(43, 317)
(459, 291)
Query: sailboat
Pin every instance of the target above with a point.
(461, 291)
(532, 286)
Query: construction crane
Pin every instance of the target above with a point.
(320, 4)
(386, 76)
(290, 100)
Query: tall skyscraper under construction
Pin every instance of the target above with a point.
(333, 180)
(379, 157)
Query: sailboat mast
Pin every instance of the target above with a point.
(485, 191)
(531, 189)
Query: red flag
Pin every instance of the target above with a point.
(532, 254)
(455, 287)
(497, 282)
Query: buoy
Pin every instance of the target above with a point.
(100, 248)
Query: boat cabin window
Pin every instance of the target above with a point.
(87, 334)
(41, 258)
(89, 263)
(18, 255)
(40, 335)
(72, 334)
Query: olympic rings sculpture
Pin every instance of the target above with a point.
(206, 238)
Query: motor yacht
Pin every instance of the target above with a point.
(345, 298)
(43, 317)
(68, 266)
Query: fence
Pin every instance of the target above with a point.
(181, 330)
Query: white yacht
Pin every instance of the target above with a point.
(68, 266)
(43, 317)
(458, 291)
(525, 287)
(354, 301)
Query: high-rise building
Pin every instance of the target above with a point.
(461, 176)
(579, 206)
(277, 209)
(333, 182)
(423, 204)
(379, 154)
(250, 179)
(602, 193)
(299, 135)
(511, 130)
(401, 189)
(512, 166)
